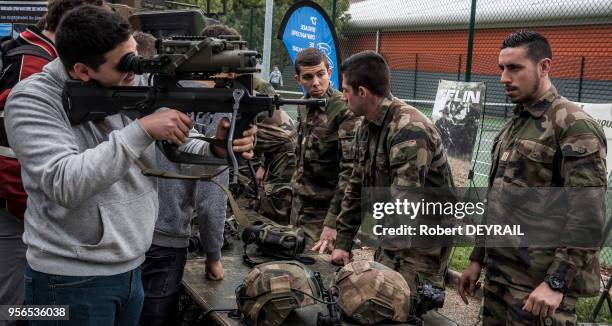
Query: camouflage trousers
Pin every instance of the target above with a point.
(275, 203)
(417, 264)
(503, 306)
(309, 215)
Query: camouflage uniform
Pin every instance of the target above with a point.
(325, 162)
(409, 153)
(445, 127)
(276, 141)
(275, 151)
(554, 143)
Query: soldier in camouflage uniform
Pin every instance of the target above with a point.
(548, 142)
(276, 142)
(274, 149)
(398, 147)
(445, 127)
(324, 152)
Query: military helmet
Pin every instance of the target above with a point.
(271, 291)
(370, 292)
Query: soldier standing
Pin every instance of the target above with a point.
(276, 78)
(324, 152)
(548, 142)
(397, 147)
(445, 127)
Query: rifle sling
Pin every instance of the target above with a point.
(241, 218)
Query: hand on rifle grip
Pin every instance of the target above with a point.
(243, 145)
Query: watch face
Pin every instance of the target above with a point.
(555, 282)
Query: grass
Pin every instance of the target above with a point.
(460, 258)
(584, 309)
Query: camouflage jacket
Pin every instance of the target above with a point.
(554, 143)
(263, 87)
(276, 139)
(324, 152)
(401, 148)
(276, 142)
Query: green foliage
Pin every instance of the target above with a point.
(584, 309)
(460, 259)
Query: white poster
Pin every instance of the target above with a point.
(456, 114)
(603, 114)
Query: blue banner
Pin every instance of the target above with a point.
(5, 29)
(306, 25)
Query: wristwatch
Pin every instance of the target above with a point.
(555, 282)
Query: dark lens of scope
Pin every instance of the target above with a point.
(130, 62)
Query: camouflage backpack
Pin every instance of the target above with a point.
(271, 291)
(370, 293)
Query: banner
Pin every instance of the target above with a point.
(5, 30)
(456, 113)
(603, 114)
(306, 25)
(22, 12)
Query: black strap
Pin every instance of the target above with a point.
(29, 49)
(306, 260)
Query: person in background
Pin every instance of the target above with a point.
(276, 78)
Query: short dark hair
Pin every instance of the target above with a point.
(217, 30)
(368, 69)
(86, 33)
(58, 8)
(310, 57)
(145, 44)
(538, 47)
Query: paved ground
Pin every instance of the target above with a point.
(455, 309)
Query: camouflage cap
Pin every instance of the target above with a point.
(271, 291)
(370, 292)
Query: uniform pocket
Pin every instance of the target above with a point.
(534, 163)
(536, 152)
(323, 147)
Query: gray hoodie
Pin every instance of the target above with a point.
(90, 210)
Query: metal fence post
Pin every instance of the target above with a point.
(416, 74)
(251, 29)
(581, 79)
(459, 69)
(470, 48)
(333, 17)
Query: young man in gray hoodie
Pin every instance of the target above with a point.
(91, 212)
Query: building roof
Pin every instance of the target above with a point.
(455, 14)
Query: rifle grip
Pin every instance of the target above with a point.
(243, 122)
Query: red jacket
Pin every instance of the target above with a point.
(11, 187)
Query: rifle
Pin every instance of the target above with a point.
(225, 61)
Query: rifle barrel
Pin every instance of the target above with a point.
(308, 102)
